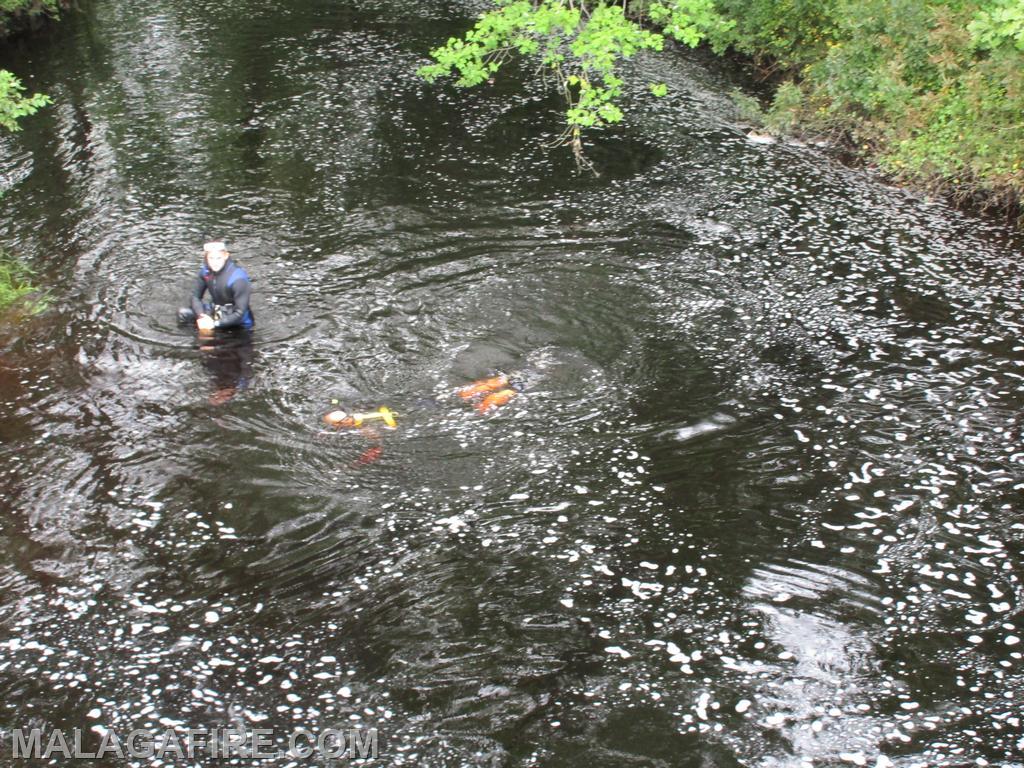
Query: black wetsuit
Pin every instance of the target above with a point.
(230, 290)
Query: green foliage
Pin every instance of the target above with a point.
(782, 114)
(582, 46)
(691, 21)
(1000, 22)
(14, 104)
(969, 135)
(786, 107)
(879, 61)
(582, 43)
(933, 90)
(29, 6)
(603, 40)
(516, 26)
(787, 33)
(16, 288)
(748, 107)
(12, 12)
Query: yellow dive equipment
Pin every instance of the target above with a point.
(356, 420)
(383, 413)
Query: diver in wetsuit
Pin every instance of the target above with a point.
(228, 357)
(230, 289)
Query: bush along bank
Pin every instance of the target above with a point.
(931, 91)
(18, 294)
(17, 16)
(21, 15)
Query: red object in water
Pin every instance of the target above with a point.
(222, 395)
(369, 456)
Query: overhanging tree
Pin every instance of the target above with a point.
(581, 43)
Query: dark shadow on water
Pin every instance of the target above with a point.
(228, 357)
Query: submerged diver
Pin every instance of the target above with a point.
(229, 287)
(485, 395)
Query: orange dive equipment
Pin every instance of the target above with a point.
(495, 400)
(490, 393)
(482, 387)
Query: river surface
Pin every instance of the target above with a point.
(758, 502)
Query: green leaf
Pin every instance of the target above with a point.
(14, 104)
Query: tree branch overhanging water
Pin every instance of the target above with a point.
(929, 93)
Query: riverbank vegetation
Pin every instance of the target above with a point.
(14, 104)
(17, 291)
(930, 91)
(15, 16)
(18, 294)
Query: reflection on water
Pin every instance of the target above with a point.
(822, 687)
(229, 359)
(756, 503)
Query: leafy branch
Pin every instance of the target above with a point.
(582, 43)
(1001, 22)
(14, 104)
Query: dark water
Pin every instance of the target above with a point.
(758, 503)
